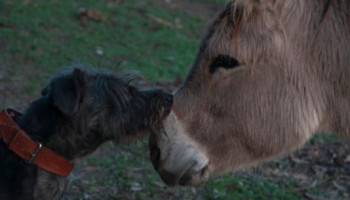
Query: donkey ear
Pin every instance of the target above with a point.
(67, 92)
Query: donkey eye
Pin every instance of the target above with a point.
(223, 61)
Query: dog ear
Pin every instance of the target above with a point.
(67, 92)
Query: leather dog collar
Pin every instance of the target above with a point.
(33, 152)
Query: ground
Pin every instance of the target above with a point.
(158, 38)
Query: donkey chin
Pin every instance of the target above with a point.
(181, 161)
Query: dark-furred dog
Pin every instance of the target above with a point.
(78, 111)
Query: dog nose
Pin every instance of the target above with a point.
(168, 97)
(159, 94)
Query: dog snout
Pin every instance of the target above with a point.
(163, 98)
(168, 102)
(168, 97)
(161, 101)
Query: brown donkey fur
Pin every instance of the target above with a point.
(268, 75)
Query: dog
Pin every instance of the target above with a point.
(78, 111)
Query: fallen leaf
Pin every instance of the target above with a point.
(297, 160)
(91, 14)
(95, 15)
(339, 187)
(165, 23)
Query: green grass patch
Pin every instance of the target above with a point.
(328, 137)
(243, 187)
(130, 170)
(46, 35)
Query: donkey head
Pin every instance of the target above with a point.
(256, 89)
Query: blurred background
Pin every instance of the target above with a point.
(158, 38)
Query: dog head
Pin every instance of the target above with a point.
(80, 109)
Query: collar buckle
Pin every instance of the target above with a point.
(36, 152)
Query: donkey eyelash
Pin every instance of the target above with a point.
(224, 61)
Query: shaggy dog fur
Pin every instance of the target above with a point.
(79, 110)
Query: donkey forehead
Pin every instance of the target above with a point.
(244, 33)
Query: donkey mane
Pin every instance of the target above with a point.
(245, 9)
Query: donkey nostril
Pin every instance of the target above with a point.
(155, 157)
(204, 172)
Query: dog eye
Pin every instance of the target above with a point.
(223, 61)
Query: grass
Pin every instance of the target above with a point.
(130, 174)
(39, 37)
(243, 187)
(46, 35)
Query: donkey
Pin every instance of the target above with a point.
(78, 111)
(268, 75)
